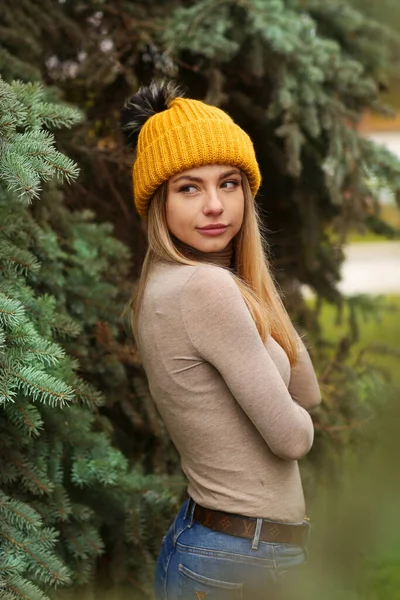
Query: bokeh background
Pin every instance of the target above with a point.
(89, 479)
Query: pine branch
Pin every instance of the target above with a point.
(17, 588)
(11, 311)
(24, 416)
(40, 562)
(19, 176)
(22, 261)
(57, 116)
(22, 165)
(12, 111)
(39, 385)
(16, 512)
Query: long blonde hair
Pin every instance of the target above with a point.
(252, 276)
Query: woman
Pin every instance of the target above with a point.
(231, 378)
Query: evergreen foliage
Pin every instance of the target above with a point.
(66, 492)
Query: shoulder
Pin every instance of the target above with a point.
(208, 281)
(214, 312)
(210, 290)
(189, 280)
(193, 285)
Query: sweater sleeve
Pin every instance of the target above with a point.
(303, 385)
(224, 334)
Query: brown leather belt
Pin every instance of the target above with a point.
(241, 526)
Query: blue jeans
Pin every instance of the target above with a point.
(196, 563)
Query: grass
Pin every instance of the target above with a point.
(378, 332)
(369, 236)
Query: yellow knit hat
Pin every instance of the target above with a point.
(188, 133)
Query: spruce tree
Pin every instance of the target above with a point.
(40, 39)
(66, 492)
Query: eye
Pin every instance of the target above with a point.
(188, 189)
(230, 184)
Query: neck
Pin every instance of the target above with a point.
(220, 258)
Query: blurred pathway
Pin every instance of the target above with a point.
(374, 268)
(371, 268)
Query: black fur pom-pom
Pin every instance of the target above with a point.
(147, 101)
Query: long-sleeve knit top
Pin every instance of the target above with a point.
(234, 408)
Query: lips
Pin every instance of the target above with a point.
(213, 230)
(216, 226)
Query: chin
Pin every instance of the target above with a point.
(212, 245)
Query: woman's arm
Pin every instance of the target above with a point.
(303, 385)
(224, 334)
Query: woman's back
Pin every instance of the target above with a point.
(222, 394)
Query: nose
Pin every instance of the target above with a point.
(213, 204)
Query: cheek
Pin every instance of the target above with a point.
(239, 212)
(172, 209)
(178, 214)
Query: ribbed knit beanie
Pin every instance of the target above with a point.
(172, 134)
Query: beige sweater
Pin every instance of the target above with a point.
(235, 410)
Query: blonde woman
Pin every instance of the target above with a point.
(230, 376)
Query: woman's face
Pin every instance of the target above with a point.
(201, 197)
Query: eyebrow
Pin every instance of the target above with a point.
(200, 180)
